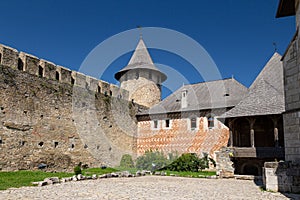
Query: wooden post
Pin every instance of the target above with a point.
(252, 121)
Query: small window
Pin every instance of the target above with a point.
(99, 89)
(57, 76)
(72, 146)
(193, 123)
(167, 123)
(211, 122)
(155, 124)
(1, 142)
(55, 144)
(41, 71)
(110, 93)
(20, 65)
(72, 81)
(0, 58)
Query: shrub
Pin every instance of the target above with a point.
(152, 160)
(126, 161)
(77, 169)
(188, 162)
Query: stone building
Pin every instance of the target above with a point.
(256, 122)
(185, 121)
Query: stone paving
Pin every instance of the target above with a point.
(147, 187)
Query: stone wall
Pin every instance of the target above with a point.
(291, 65)
(282, 176)
(60, 122)
(180, 137)
(45, 69)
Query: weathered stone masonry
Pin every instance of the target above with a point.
(51, 115)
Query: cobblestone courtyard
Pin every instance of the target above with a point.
(149, 187)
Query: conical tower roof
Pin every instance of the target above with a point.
(140, 59)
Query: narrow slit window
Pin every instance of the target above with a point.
(57, 77)
(110, 92)
(99, 89)
(41, 71)
(0, 58)
(72, 81)
(20, 65)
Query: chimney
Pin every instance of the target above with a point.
(184, 102)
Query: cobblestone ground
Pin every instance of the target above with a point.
(149, 187)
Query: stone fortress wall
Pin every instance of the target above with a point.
(52, 115)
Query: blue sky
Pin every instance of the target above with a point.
(238, 35)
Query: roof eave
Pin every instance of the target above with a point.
(286, 8)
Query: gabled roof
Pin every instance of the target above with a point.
(140, 59)
(201, 96)
(266, 94)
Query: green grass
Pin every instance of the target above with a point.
(24, 178)
(200, 174)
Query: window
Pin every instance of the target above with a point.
(41, 144)
(110, 93)
(99, 89)
(137, 75)
(167, 123)
(211, 122)
(41, 71)
(20, 65)
(0, 57)
(72, 81)
(193, 123)
(57, 76)
(155, 124)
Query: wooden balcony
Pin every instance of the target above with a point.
(259, 152)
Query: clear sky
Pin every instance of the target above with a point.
(238, 34)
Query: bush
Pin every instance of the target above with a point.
(126, 161)
(77, 169)
(152, 160)
(188, 162)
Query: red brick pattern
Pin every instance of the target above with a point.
(180, 138)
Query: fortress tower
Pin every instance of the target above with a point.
(141, 77)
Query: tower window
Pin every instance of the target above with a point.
(41, 71)
(110, 93)
(57, 77)
(72, 81)
(20, 65)
(0, 58)
(99, 89)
